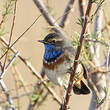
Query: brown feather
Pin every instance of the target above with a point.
(53, 65)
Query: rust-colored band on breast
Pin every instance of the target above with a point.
(53, 65)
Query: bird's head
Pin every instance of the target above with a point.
(53, 40)
(55, 44)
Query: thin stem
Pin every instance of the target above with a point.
(107, 101)
(16, 97)
(31, 68)
(99, 5)
(9, 99)
(48, 17)
(81, 10)
(70, 85)
(43, 99)
(19, 36)
(16, 85)
(98, 78)
(4, 16)
(13, 23)
(66, 12)
(11, 90)
(97, 41)
(9, 64)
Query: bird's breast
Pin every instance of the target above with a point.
(53, 65)
(56, 70)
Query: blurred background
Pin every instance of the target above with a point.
(20, 81)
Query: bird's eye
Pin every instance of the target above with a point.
(53, 41)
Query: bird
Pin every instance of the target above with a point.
(58, 62)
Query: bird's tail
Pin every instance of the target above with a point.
(82, 89)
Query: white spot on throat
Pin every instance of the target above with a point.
(54, 60)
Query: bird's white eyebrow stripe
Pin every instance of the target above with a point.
(57, 39)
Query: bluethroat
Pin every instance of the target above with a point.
(58, 62)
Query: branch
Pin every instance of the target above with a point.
(107, 100)
(38, 103)
(18, 96)
(98, 78)
(39, 90)
(14, 74)
(8, 65)
(97, 33)
(29, 64)
(21, 87)
(43, 99)
(97, 41)
(66, 12)
(31, 68)
(4, 41)
(9, 99)
(81, 9)
(6, 13)
(40, 78)
(98, 7)
(48, 17)
(4, 88)
(12, 27)
(69, 89)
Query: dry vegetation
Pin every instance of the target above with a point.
(21, 24)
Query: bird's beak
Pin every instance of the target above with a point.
(42, 41)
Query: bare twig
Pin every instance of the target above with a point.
(8, 65)
(108, 59)
(38, 103)
(107, 101)
(13, 22)
(61, 24)
(48, 17)
(40, 90)
(16, 85)
(9, 99)
(21, 79)
(16, 97)
(69, 89)
(107, 24)
(23, 85)
(44, 98)
(81, 10)
(66, 12)
(98, 6)
(31, 68)
(101, 102)
(19, 36)
(20, 87)
(4, 88)
(43, 82)
(4, 16)
(97, 33)
(98, 78)
(97, 41)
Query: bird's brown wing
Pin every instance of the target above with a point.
(70, 53)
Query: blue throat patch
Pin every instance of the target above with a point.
(51, 53)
